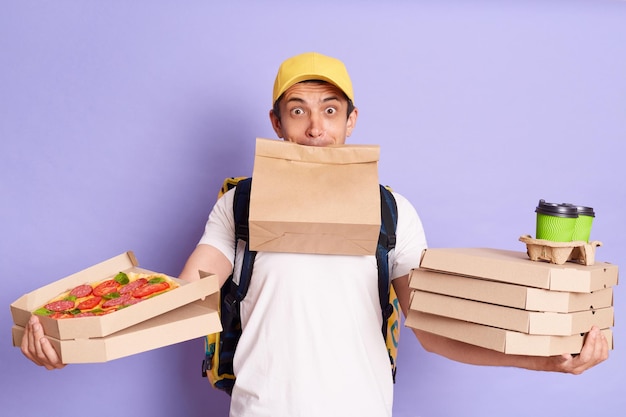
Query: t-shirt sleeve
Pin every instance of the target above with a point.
(410, 239)
(219, 231)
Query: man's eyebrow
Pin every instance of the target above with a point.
(330, 98)
(324, 100)
(296, 99)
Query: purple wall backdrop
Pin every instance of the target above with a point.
(119, 120)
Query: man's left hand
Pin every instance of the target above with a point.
(594, 351)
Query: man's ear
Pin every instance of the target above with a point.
(276, 125)
(351, 123)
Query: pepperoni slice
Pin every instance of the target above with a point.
(81, 291)
(133, 286)
(150, 289)
(106, 287)
(61, 305)
(89, 303)
(132, 301)
(121, 300)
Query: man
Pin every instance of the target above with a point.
(306, 350)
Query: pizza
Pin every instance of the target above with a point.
(106, 296)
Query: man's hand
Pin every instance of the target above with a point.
(594, 351)
(36, 347)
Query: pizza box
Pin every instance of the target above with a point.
(512, 295)
(516, 268)
(506, 341)
(530, 322)
(101, 326)
(193, 320)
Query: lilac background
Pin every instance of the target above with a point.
(119, 120)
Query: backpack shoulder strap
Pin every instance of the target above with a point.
(241, 210)
(388, 300)
(220, 347)
(386, 242)
(389, 218)
(241, 207)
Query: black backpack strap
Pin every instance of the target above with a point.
(233, 294)
(241, 208)
(386, 242)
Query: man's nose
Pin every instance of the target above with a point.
(316, 126)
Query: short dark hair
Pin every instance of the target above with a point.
(276, 108)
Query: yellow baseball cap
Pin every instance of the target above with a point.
(312, 66)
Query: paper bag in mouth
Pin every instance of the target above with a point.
(320, 200)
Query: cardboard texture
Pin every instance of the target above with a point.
(190, 321)
(308, 199)
(515, 267)
(511, 295)
(171, 322)
(530, 322)
(560, 252)
(501, 340)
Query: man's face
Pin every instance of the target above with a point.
(314, 114)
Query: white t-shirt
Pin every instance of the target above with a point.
(312, 343)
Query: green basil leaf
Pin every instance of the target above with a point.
(111, 295)
(122, 278)
(42, 312)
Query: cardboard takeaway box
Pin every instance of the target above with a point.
(185, 313)
(311, 199)
(502, 300)
(510, 295)
(506, 341)
(516, 268)
(530, 322)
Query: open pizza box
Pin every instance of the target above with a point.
(184, 313)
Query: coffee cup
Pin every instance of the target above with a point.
(556, 222)
(582, 229)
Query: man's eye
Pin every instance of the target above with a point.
(331, 110)
(297, 111)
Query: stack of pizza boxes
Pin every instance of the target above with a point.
(188, 311)
(502, 300)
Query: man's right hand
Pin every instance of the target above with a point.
(36, 347)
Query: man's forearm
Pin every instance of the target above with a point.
(475, 355)
(594, 351)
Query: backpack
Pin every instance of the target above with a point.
(217, 364)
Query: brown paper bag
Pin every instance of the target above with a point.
(308, 199)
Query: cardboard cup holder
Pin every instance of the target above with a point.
(560, 252)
